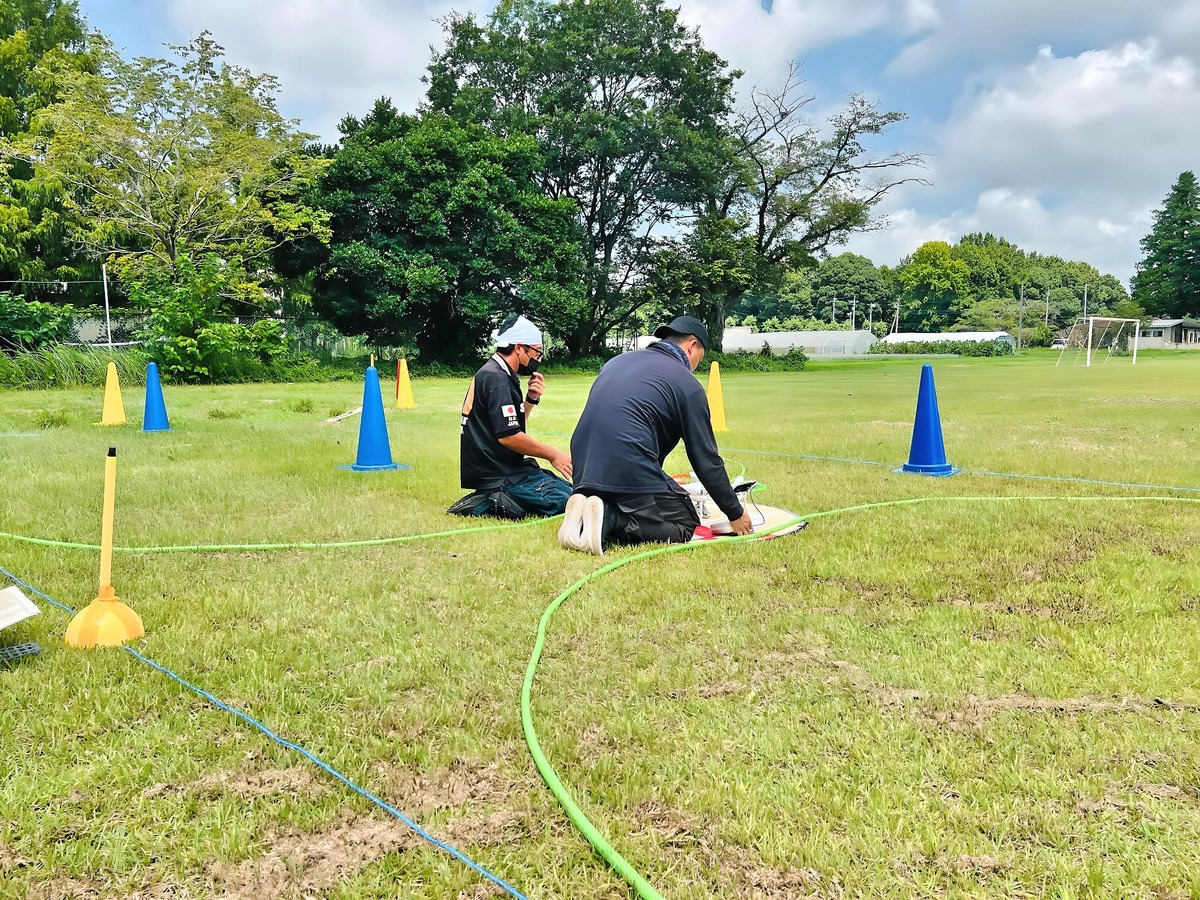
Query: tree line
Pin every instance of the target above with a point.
(589, 163)
(981, 283)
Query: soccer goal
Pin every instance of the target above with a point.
(1092, 335)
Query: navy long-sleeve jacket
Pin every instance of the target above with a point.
(640, 406)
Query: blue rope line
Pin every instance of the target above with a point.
(283, 742)
(978, 472)
(871, 462)
(857, 462)
(1129, 484)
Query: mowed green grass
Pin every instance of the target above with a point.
(987, 697)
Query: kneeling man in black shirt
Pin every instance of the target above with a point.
(494, 449)
(641, 405)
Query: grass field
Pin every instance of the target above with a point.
(986, 697)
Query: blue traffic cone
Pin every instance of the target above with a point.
(927, 455)
(155, 416)
(374, 451)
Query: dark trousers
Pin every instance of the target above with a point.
(531, 491)
(648, 518)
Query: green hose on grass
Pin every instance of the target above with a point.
(644, 889)
(225, 548)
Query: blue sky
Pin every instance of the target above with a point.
(1058, 125)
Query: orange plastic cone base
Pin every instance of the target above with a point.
(105, 622)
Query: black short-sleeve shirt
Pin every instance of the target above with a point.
(493, 409)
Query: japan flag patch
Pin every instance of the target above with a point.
(508, 410)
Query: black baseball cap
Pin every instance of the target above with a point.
(684, 325)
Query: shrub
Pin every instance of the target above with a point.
(190, 343)
(953, 348)
(28, 324)
(50, 418)
(748, 361)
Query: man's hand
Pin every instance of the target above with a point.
(537, 384)
(562, 462)
(742, 525)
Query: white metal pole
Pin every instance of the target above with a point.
(1021, 317)
(107, 320)
(1089, 346)
(1137, 329)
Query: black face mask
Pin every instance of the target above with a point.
(528, 368)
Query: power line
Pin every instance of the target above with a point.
(46, 283)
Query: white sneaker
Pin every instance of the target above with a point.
(592, 536)
(571, 529)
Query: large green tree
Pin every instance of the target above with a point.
(800, 188)
(35, 37)
(855, 284)
(935, 285)
(39, 40)
(997, 268)
(700, 271)
(626, 106)
(1167, 280)
(438, 228)
(171, 158)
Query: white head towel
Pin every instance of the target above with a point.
(518, 330)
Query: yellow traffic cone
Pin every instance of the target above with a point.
(106, 621)
(404, 394)
(716, 402)
(114, 406)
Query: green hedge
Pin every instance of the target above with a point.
(740, 361)
(62, 366)
(953, 348)
(746, 361)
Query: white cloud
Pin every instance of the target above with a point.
(1063, 150)
(1072, 233)
(762, 44)
(1107, 121)
(989, 32)
(1072, 152)
(332, 57)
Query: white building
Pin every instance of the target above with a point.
(1171, 334)
(813, 343)
(740, 339)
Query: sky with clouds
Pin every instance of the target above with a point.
(1060, 126)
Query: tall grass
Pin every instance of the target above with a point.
(62, 366)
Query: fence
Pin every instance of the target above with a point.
(302, 332)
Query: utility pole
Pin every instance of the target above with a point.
(835, 308)
(1085, 287)
(1021, 317)
(896, 324)
(107, 319)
